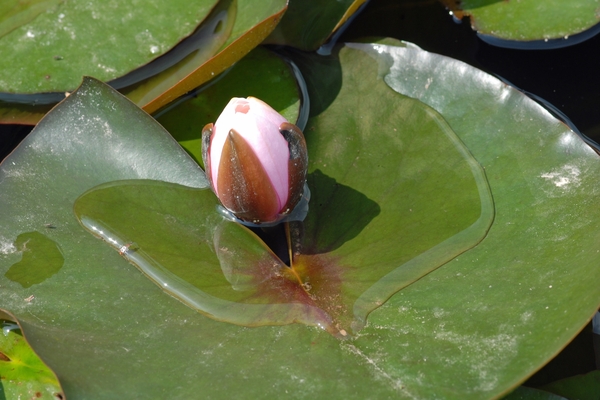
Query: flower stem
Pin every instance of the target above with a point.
(288, 236)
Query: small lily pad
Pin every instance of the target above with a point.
(532, 20)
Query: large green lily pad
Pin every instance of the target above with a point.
(529, 287)
(492, 316)
(163, 74)
(51, 52)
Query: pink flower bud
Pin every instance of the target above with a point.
(255, 161)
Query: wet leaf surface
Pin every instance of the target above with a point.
(202, 46)
(351, 260)
(17, 13)
(232, 29)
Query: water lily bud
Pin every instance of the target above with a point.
(256, 162)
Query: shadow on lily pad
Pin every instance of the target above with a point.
(353, 212)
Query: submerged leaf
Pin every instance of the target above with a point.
(584, 387)
(42, 258)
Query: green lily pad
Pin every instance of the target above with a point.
(261, 74)
(492, 316)
(24, 374)
(540, 274)
(53, 51)
(308, 24)
(528, 20)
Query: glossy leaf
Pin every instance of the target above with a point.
(528, 20)
(23, 374)
(261, 74)
(526, 256)
(53, 51)
(106, 316)
(308, 24)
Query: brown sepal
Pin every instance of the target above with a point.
(207, 132)
(297, 164)
(244, 186)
